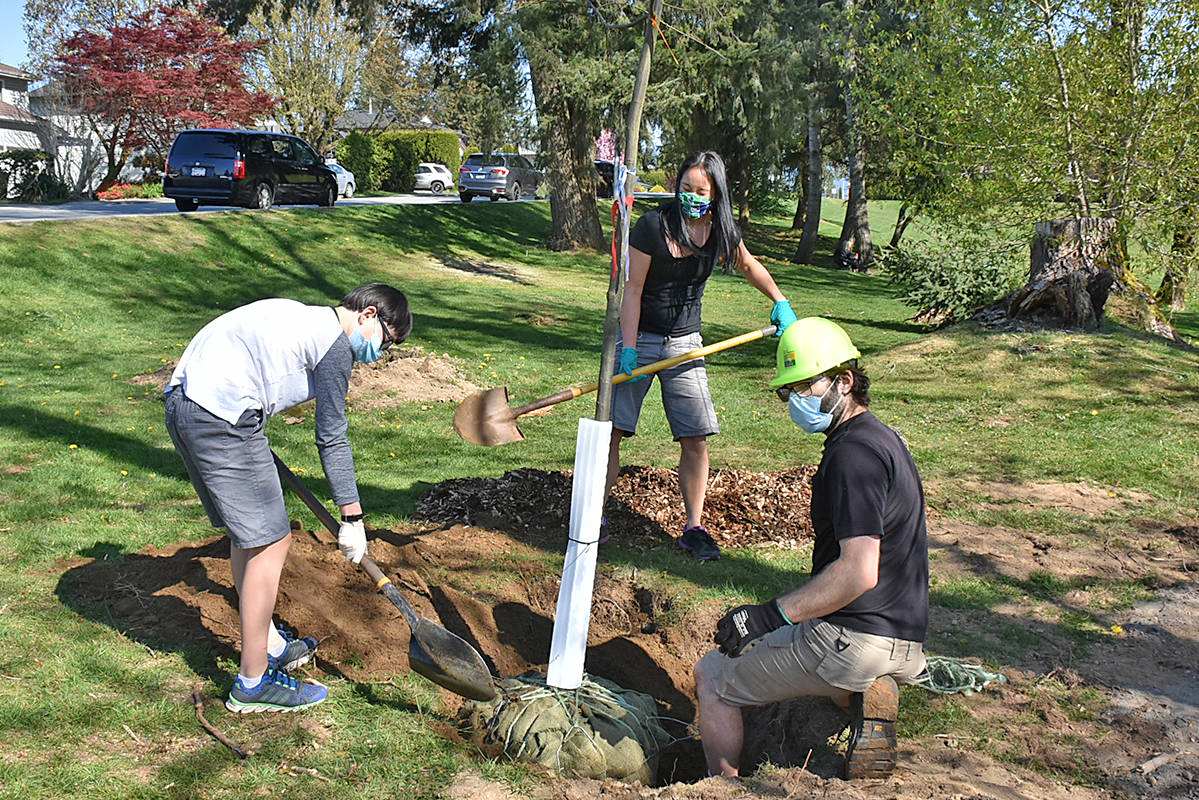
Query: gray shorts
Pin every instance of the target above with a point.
(811, 658)
(232, 469)
(685, 393)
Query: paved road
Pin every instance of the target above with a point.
(94, 209)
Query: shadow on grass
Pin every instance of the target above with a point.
(125, 593)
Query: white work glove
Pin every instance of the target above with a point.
(351, 539)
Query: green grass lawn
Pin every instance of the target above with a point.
(86, 468)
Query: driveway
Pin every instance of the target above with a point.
(95, 209)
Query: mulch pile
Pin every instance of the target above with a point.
(742, 508)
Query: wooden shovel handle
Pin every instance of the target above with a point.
(648, 369)
(382, 582)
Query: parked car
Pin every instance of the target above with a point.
(607, 174)
(254, 169)
(498, 175)
(434, 177)
(345, 180)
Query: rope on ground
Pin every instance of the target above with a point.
(947, 675)
(598, 730)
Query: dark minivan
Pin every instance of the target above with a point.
(254, 169)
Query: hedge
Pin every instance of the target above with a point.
(388, 159)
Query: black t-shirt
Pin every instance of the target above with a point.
(867, 485)
(671, 301)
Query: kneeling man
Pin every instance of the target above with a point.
(856, 628)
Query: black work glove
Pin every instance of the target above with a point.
(743, 624)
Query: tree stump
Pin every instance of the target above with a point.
(1072, 270)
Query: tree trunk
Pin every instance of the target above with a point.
(811, 227)
(1072, 271)
(801, 202)
(1172, 292)
(855, 233)
(906, 215)
(566, 144)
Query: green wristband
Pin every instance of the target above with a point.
(779, 606)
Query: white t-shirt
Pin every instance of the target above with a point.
(258, 356)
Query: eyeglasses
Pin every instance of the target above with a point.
(388, 339)
(798, 387)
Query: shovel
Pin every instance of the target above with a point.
(434, 652)
(486, 418)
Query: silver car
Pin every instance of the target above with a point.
(498, 175)
(345, 180)
(434, 177)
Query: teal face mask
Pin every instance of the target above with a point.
(366, 350)
(694, 206)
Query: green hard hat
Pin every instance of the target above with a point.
(809, 347)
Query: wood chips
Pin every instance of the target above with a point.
(742, 508)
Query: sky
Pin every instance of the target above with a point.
(12, 32)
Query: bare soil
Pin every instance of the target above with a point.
(1114, 714)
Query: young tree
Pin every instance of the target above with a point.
(167, 69)
(311, 55)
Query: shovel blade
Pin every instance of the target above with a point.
(486, 419)
(457, 666)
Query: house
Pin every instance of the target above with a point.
(79, 157)
(20, 129)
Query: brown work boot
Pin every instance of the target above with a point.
(872, 744)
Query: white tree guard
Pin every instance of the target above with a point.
(573, 616)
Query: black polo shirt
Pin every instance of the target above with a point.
(867, 485)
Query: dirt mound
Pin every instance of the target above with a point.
(408, 375)
(158, 378)
(741, 508)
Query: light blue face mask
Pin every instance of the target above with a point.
(806, 413)
(694, 206)
(366, 350)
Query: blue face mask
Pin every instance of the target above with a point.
(366, 350)
(694, 206)
(806, 413)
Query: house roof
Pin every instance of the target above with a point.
(364, 120)
(12, 113)
(7, 71)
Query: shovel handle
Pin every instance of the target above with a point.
(648, 369)
(382, 582)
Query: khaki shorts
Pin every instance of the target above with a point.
(811, 658)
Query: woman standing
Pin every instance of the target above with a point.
(673, 250)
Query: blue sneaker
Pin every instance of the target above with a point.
(297, 653)
(278, 691)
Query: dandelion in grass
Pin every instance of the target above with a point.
(124, 472)
(73, 447)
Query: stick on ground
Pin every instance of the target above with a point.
(198, 702)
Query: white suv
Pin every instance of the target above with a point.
(434, 177)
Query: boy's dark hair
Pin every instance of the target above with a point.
(389, 302)
(861, 383)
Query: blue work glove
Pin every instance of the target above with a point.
(743, 624)
(782, 315)
(628, 363)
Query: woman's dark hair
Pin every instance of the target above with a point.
(724, 238)
(389, 302)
